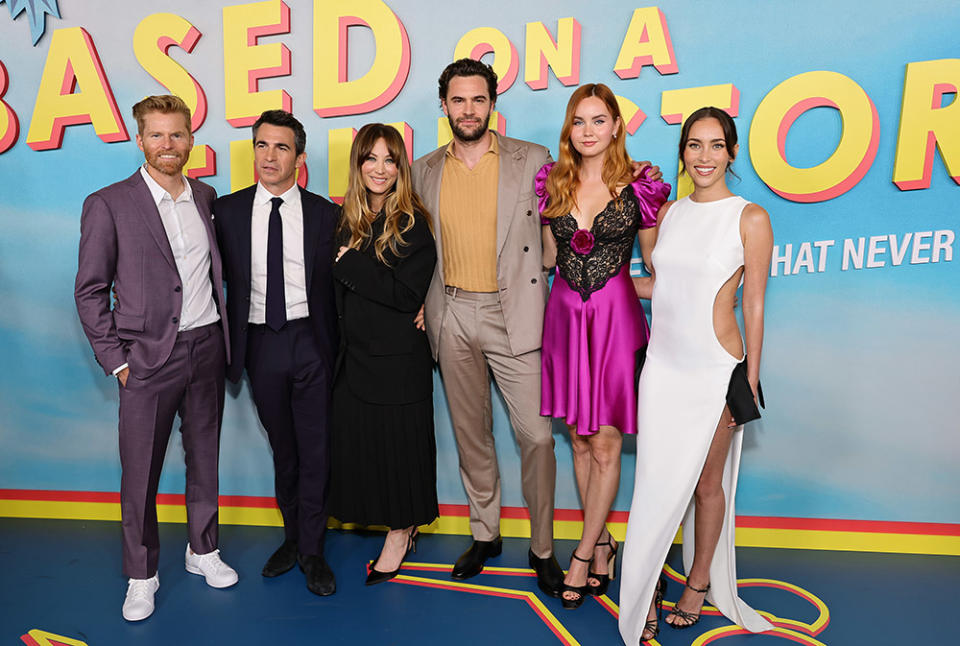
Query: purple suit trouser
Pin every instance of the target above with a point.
(190, 384)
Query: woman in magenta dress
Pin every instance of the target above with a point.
(593, 326)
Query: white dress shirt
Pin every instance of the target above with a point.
(191, 252)
(294, 272)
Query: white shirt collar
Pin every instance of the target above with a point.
(290, 197)
(158, 192)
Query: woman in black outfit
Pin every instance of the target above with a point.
(383, 448)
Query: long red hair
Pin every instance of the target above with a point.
(564, 177)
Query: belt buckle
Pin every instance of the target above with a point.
(451, 290)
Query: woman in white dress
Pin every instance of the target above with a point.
(688, 444)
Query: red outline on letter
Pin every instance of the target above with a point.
(635, 121)
(733, 110)
(303, 175)
(855, 176)
(13, 124)
(68, 85)
(541, 82)
(392, 90)
(639, 61)
(283, 69)
(164, 43)
(482, 49)
(936, 103)
(209, 168)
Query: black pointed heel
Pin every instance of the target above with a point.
(579, 590)
(375, 576)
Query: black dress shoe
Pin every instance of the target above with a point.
(471, 562)
(319, 575)
(549, 574)
(282, 560)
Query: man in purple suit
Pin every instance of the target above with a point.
(151, 238)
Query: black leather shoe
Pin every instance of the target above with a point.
(376, 576)
(319, 575)
(282, 560)
(549, 574)
(471, 562)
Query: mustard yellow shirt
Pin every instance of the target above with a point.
(468, 220)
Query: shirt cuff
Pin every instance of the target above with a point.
(117, 371)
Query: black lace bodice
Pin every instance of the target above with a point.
(614, 230)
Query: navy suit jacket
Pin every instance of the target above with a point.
(232, 216)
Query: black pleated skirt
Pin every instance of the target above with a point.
(383, 468)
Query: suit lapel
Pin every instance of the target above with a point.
(204, 210)
(508, 187)
(431, 196)
(244, 234)
(147, 209)
(312, 226)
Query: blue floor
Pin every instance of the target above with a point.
(63, 578)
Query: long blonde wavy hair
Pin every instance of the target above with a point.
(564, 177)
(400, 205)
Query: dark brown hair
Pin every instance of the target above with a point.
(469, 67)
(726, 123)
(283, 119)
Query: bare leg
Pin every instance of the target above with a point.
(710, 504)
(394, 549)
(598, 476)
(652, 628)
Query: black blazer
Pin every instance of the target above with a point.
(386, 358)
(232, 216)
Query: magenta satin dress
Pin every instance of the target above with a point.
(594, 324)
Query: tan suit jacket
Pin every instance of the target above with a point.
(521, 281)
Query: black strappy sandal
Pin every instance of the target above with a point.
(653, 625)
(604, 579)
(689, 618)
(580, 591)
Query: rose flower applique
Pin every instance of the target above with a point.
(582, 242)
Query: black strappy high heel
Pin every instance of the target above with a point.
(653, 625)
(604, 579)
(689, 618)
(580, 591)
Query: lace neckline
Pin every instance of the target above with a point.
(603, 212)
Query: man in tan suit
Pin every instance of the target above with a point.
(484, 310)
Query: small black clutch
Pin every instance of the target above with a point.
(740, 397)
(640, 357)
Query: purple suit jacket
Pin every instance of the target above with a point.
(123, 243)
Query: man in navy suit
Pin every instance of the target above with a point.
(151, 239)
(277, 246)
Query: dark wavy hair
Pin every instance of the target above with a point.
(468, 67)
(726, 123)
(283, 119)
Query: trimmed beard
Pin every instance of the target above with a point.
(465, 136)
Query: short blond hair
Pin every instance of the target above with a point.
(164, 104)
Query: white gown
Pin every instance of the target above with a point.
(682, 393)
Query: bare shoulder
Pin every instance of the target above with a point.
(755, 223)
(754, 214)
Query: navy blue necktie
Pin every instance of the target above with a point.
(276, 301)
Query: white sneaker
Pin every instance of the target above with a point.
(139, 602)
(217, 573)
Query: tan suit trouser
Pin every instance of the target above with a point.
(472, 343)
